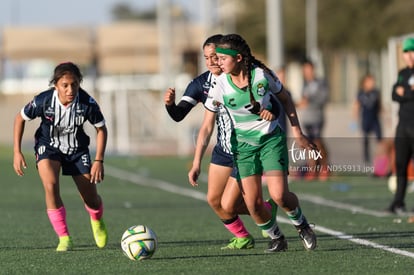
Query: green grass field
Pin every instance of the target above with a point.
(353, 235)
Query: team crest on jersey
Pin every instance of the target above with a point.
(206, 85)
(260, 89)
(50, 113)
(216, 103)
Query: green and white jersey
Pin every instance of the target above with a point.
(247, 127)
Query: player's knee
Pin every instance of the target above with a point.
(228, 207)
(279, 199)
(93, 202)
(214, 202)
(283, 200)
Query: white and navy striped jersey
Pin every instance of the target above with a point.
(62, 126)
(225, 127)
(197, 91)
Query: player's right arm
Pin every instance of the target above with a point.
(203, 140)
(193, 94)
(30, 111)
(176, 112)
(18, 159)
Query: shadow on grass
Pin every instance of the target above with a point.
(387, 238)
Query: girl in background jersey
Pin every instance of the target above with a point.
(367, 108)
(403, 94)
(259, 146)
(62, 144)
(223, 193)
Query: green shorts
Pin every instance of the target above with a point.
(272, 154)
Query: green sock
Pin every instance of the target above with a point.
(271, 228)
(296, 216)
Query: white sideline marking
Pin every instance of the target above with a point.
(344, 236)
(340, 205)
(166, 186)
(149, 182)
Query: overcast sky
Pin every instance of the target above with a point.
(70, 12)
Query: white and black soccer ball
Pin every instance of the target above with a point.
(392, 184)
(139, 242)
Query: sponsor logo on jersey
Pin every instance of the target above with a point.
(260, 89)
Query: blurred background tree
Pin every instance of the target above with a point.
(124, 11)
(358, 25)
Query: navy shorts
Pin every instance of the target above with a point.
(219, 157)
(78, 163)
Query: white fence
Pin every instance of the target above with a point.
(139, 124)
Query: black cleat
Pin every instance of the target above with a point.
(307, 235)
(277, 245)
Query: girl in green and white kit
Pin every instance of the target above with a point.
(259, 146)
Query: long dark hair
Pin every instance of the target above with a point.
(236, 42)
(214, 39)
(64, 68)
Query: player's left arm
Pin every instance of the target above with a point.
(275, 86)
(290, 110)
(96, 118)
(203, 139)
(97, 169)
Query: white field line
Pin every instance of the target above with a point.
(342, 206)
(166, 186)
(149, 182)
(344, 236)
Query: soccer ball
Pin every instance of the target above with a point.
(139, 242)
(392, 183)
